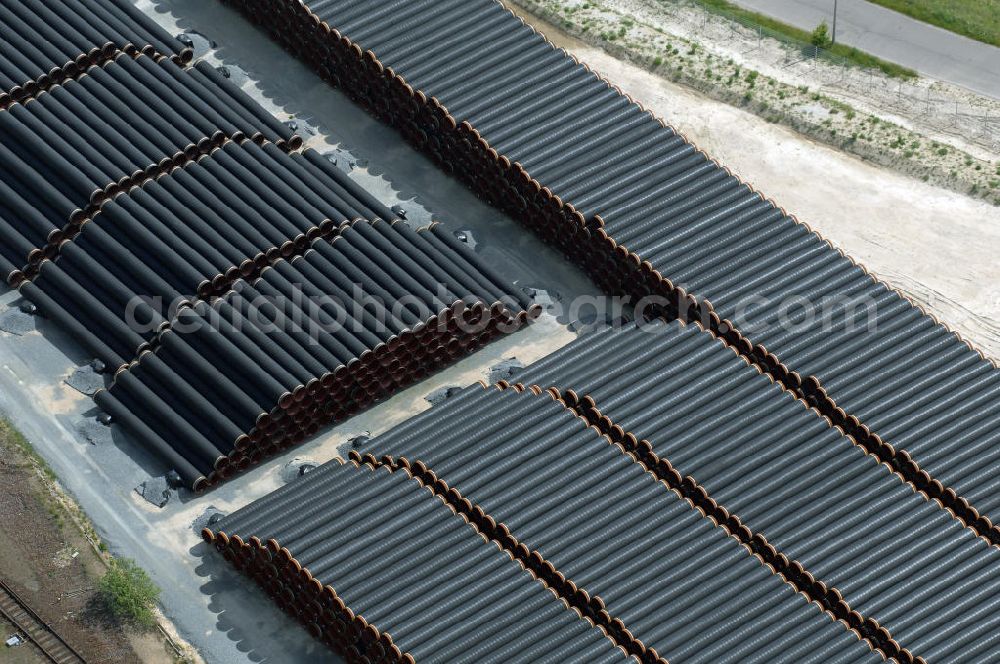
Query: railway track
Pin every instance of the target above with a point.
(17, 611)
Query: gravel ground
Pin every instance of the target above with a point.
(49, 563)
(26, 653)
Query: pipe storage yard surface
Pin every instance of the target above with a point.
(639, 526)
(643, 210)
(675, 493)
(637, 204)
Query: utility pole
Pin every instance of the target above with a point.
(833, 37)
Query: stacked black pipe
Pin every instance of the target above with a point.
(83, 142)
(137, 195)
(393, 60)
(190, 234)
(382, 571)
(894, 555)
(44, 42)
(643, 210)
(313, 340)
(667, 582)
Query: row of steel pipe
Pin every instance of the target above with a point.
(47, 41)
(81, 144)
(459, 149)
(304, 344)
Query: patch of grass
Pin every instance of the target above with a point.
(976, 19)
(776, 28)
(14, 438)
(128, 594)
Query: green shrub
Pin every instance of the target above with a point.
(128, 594)
(821, 36)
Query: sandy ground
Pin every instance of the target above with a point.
(937, 246)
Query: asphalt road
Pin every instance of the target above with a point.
(931, 51)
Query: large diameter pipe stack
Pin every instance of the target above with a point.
(606, 523)
(536, 132)
(402, 68)
(330, 550)
(190, 234)
(425, 122)
(313, 340)
(82, 143)
(47, 41)
(781, 469)
(140, 199)
(588, 519)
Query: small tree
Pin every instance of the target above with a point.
(821, 36)
(128, 593)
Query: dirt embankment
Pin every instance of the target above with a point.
(52, 565)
